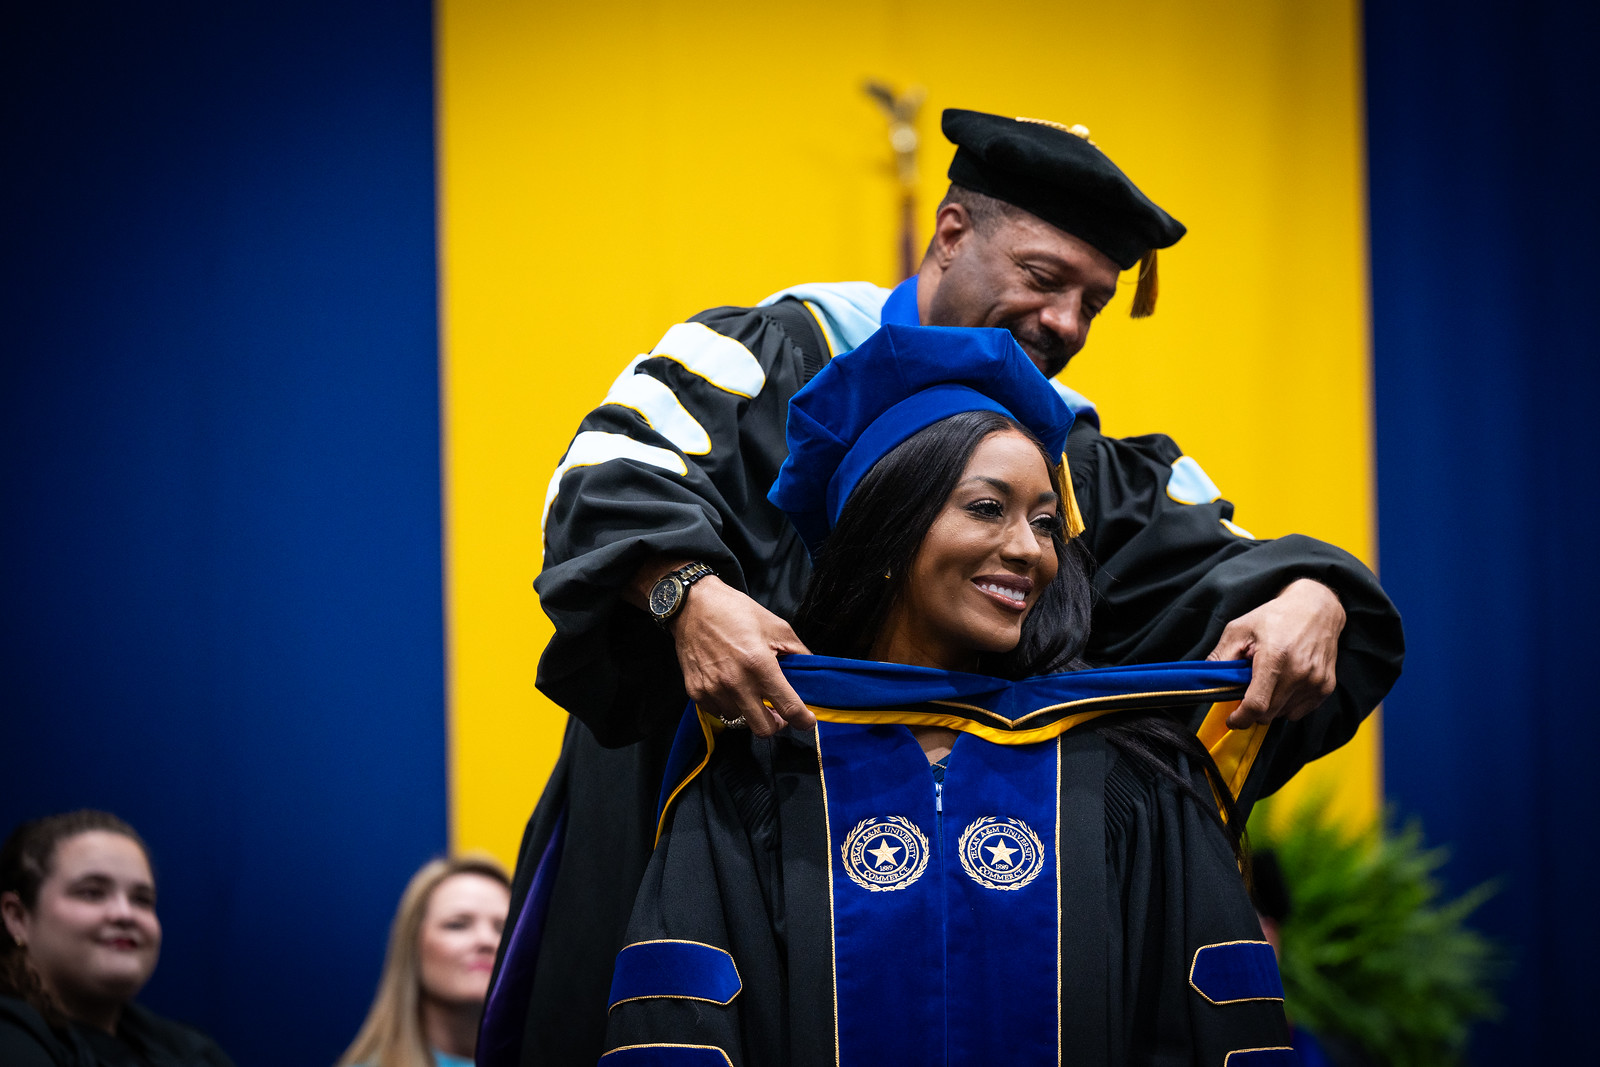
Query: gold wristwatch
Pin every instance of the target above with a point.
(669, 593)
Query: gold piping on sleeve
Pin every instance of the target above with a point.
(645, 415)
(668, 1044)
(1241, 1051)
(1236, 1000)
(683, 996)
(701, 375)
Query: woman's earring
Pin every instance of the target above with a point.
(886, 576)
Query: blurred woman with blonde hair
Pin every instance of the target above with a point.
(436, 972)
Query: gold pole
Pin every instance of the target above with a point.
(902, 113)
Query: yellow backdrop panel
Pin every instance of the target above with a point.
(609, 169)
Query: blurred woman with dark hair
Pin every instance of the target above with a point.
(436, 972)
(79, 903)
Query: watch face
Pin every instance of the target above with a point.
(664, 596)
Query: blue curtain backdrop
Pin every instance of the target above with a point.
(220, 562)
(1485, 227)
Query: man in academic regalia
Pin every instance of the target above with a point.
(668, 574)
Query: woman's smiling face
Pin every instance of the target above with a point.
(93, 935)
(983, 564)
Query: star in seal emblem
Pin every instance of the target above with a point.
(1000, 853)
(885, 853)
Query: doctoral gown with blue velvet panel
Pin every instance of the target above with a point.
(1052, 902)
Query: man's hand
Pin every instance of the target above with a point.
(728, 647)
(1292, 644)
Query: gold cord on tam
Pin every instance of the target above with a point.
(1077, 129)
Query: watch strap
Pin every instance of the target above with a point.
(690, 573)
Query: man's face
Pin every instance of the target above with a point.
(1043, 285)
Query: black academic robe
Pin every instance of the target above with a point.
(143, 1039)
(819, 899)
(1169, 575)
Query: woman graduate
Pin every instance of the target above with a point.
(972, 859)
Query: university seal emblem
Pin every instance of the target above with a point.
(1000, 853)
(886, 853)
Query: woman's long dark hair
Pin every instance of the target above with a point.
(879, 531)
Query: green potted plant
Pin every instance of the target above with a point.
(1370, 952)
